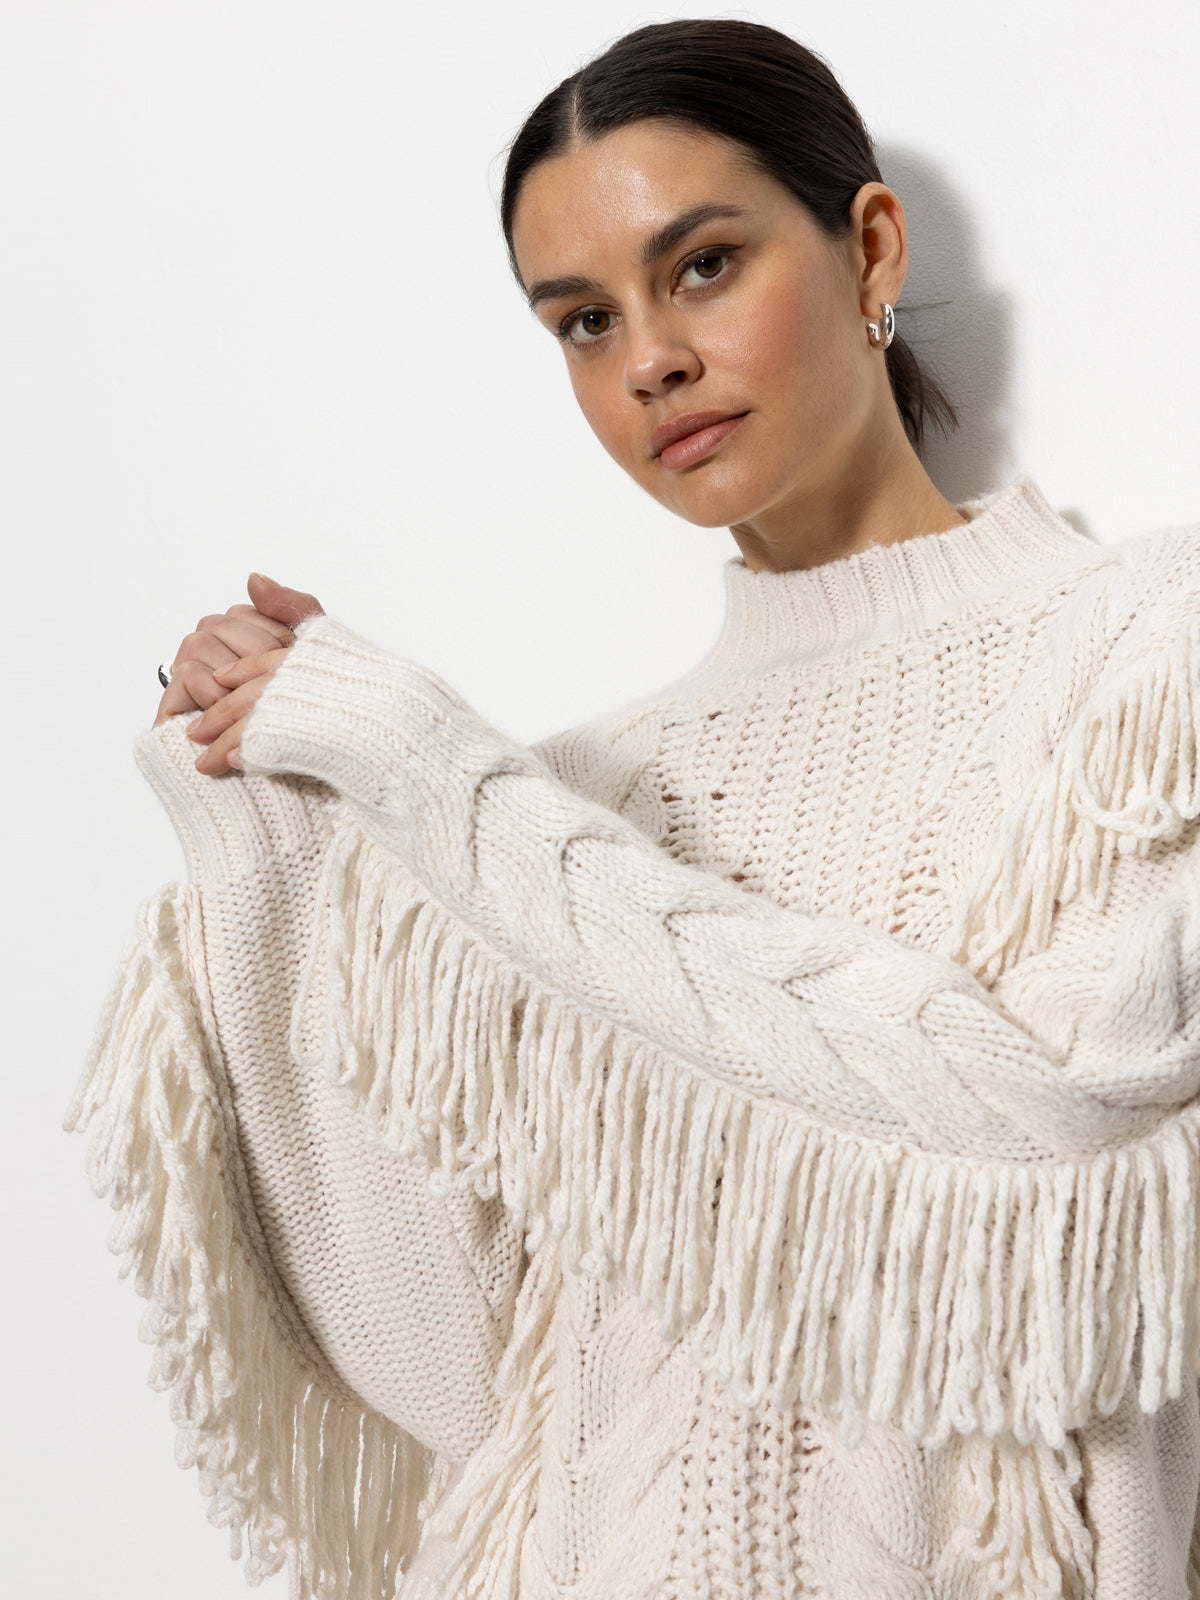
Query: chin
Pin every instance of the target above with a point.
(716, 505)
(706, 516)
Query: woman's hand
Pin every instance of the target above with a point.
(218, 641)
(231, 660)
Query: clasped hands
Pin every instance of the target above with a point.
(223, 667)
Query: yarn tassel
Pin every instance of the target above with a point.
(300, 1472)
(1024, 1520)
(941, 1294)
(1125, 776)
(483, 1519)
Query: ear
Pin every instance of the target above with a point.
(880, 235)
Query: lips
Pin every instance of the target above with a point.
(693, 436)
(686, 423)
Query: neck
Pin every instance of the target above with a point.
(891, 499)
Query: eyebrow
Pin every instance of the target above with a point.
(654, 247)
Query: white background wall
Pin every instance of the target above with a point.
(254, 313)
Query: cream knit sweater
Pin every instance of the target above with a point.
(746, 1146)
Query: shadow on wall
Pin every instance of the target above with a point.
(959, 327)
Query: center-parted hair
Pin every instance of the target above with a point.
(748, 83)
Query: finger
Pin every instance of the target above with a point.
(218, 641)
(223, 713)
(175, 700)
(281, 632)
(215, 759)
(205, 647)
(192, 688)
(290, 606)
(239, 672)
(199, 683)
(241, 637)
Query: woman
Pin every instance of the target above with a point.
(748, 1144)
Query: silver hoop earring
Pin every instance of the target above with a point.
(880, 330)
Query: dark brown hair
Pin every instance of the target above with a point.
(754, 85)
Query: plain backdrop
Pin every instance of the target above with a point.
(254, 313)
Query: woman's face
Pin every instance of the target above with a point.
(694, 294)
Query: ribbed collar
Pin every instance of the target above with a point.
(1013, 540)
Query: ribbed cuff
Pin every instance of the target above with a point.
(227, 825)
(373, 726)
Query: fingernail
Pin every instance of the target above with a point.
(264, 578)
(234, 757)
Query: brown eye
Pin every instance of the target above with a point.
(706, 267)
(587, 326)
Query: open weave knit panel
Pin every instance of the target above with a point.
(745, 1145)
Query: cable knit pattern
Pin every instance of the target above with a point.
(746, 1145)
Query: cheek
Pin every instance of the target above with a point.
(788, 345)
(601, 397)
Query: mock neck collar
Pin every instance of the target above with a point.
(1012, 540)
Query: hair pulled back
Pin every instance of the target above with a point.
(753, 85)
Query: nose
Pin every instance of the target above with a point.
(657, 358)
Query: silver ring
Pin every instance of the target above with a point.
(164, 676)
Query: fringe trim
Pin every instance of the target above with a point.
(314, 1480)
(1126, 776)
(1025, 1516)
(486, 1515)
(941, 1295)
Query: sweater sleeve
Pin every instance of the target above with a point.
(838, 1160)
(326, 1326)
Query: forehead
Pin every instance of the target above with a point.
(607, 194)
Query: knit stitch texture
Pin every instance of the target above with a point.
(747, 1145)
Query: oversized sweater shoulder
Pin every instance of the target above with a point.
(747, 1144)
